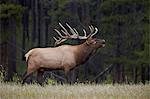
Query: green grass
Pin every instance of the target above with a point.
(78, 91)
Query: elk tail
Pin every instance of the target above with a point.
(28, 54)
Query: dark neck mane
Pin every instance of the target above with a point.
(83, 53)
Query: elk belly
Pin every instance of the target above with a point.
(51, 61)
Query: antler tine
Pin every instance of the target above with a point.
(62, 27)
(67, 34)
(76, 31)
(72, 30)
(55, 38)
(65, 31)
(91, 28)
(59, 33)
(96, 30)
(59, 40)
(84, 33)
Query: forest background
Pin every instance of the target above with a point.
(124, 24)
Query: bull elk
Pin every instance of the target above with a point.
(64, 57)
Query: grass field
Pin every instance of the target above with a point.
(78, 91)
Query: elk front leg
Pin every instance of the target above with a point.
(67, 72)
(40, 78)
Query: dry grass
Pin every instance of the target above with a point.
(79, 91)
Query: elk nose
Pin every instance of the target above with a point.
(103, 41)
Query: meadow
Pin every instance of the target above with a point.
(77, 91)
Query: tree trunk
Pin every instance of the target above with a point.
(143, 74)
(119, 72)
(39, 22)
(11, 59)
(46, 30)
(34, 17)
(148, 74)
(3, 45)
(134, 74)
(25, 22)
(11, 56)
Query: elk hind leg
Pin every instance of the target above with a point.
(26, 75)
(29, 72)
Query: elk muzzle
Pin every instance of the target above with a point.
(103, 43)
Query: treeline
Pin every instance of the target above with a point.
(124, 24)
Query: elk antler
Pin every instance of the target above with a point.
(74, 33)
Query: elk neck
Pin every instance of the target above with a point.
(83, 53)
